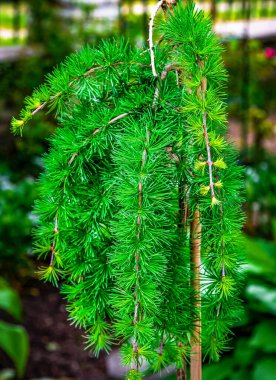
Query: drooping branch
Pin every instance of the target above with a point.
(19, 124)
(137, 256)
(210, 167)
(70, 161)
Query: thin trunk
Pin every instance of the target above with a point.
(196, 357)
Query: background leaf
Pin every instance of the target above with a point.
(15, 342)
(265, 370)
(9, 300)
(263, 337)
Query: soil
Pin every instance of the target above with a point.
(56, 348)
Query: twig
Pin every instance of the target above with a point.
(110, 122)
(72, 158)
(153, 14)
(118, 117)
(209, 157)
(54, 242)
(202, 90)
(177, 77)
(97, 131)
(181, 373)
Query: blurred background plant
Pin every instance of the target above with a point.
(14, 339)
(34, 36)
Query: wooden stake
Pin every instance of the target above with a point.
(181, 373)
(196, 357)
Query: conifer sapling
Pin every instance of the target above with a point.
(139, 206)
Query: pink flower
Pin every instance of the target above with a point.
(270, 52)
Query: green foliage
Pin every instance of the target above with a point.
(13, 338)
(262, 337)
(266, 369)
(261, 88)
(131, 161)
(16, 201)
(261, 203)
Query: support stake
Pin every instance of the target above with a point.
(196, 356)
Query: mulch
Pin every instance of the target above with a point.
(57, 349)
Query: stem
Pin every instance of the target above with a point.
(202, 91)
(54, 242)
(137, 256)
(196, 356)
(186, 210)
(209, 157)
(181, 373)
(163, 76)
(153, 14)
(110, 122)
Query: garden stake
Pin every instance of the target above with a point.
(196, 360)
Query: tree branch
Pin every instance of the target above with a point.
(70, 84)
